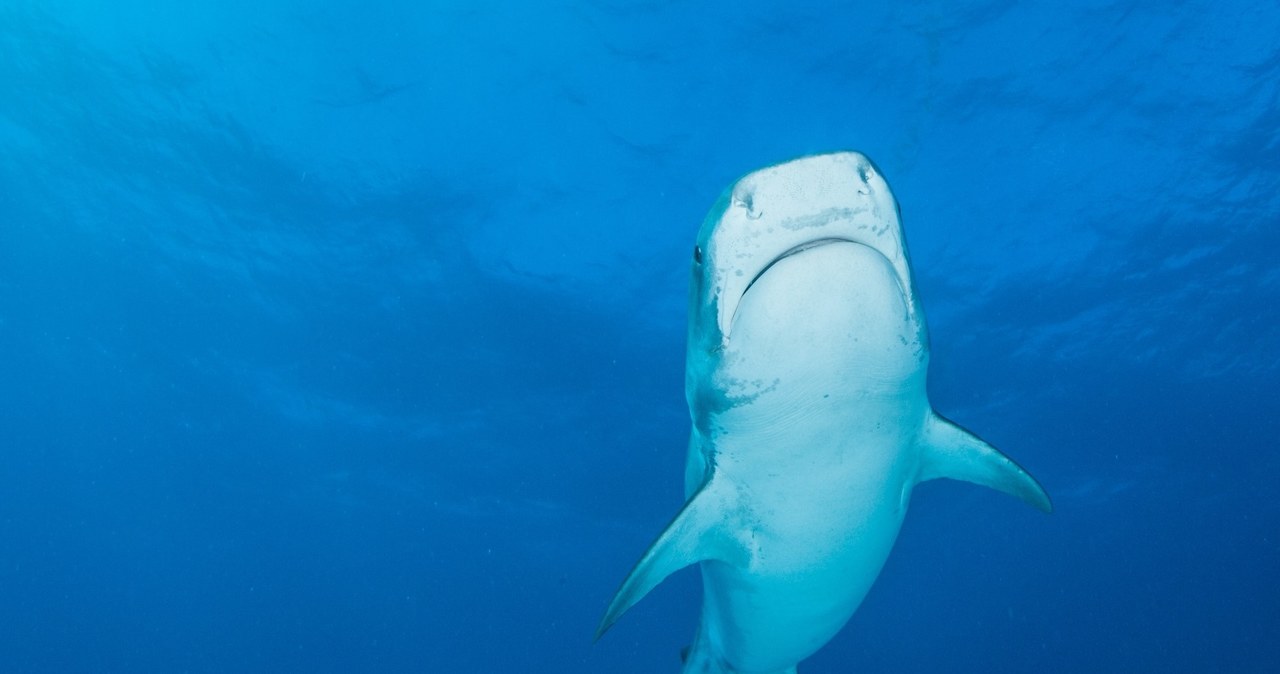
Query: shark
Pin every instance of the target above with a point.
(806, 364)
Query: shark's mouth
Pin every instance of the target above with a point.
(808, 245)
(731, 308)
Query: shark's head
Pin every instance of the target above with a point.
(777, 212)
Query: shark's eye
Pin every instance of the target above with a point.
(697, 254)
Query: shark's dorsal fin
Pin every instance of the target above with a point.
(705, 529)
(948, 450)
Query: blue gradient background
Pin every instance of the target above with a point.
(348, 336)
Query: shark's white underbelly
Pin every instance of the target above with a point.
(817, 444)
(819, 545)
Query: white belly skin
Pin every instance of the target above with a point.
(813, 413)
(808, 577)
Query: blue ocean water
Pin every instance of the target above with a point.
(349, 336)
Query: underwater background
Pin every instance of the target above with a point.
(349, 336)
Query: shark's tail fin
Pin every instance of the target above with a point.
(950, 451)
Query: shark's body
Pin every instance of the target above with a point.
(806, 368)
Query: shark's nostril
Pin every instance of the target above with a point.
(747, 200)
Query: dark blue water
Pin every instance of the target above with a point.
(348, 337)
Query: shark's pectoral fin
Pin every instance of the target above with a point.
(705, 529)
(950, 451)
